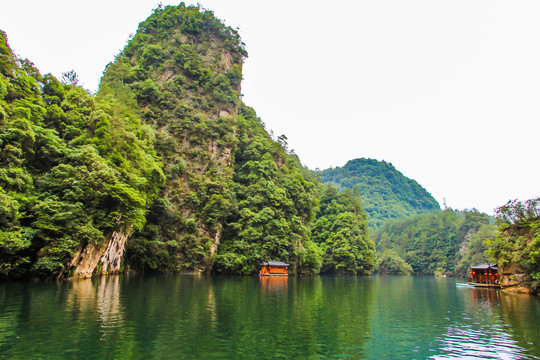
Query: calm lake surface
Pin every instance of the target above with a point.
(203, 317)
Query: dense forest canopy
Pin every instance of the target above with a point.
(386, 193)
(233, 196)
(165, 155)
(341, 231)
(517, 246)
(66, 179)
(448, 241)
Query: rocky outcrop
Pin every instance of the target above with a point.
(213, 250)
(111, 259)
(105, 258)
(514, 280)
(526, 287)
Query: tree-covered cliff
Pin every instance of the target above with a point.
(341, 231)
(232, 196)
(66, 180)
(516, 249)
(386, 193)
(164, 169)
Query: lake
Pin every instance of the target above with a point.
(218, 317)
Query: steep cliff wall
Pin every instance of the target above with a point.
(184, 70)
(99, 259)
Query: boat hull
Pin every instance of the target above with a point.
(496, 286)
(271, 275)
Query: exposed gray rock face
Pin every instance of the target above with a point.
(105, 258)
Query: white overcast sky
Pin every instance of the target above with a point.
(447, 91)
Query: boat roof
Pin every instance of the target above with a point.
(485, 267)
(274, 263)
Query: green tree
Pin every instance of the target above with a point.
(341, 232)
(391, 263)
(518, 243)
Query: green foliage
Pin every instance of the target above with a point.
(450, 240)
(226, 181)
(167, 153)
(147, 92)
(67, 178)
(391, 263)
(386, 193)
(274, 205)
(341, 232)
(518, 244)
(474, 250)
(516, 212)
(439, 272)
(14, 238)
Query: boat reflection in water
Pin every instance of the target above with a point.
(490, 296)
(273, 284)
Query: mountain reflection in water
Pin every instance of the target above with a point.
(204, 317)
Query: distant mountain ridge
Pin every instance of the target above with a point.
(386, 192)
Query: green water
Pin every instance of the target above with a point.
(202, 317)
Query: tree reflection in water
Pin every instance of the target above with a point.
(203, 317)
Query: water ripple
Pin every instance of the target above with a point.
(462, 342)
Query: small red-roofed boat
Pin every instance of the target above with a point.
(485, 275)
(274, 268)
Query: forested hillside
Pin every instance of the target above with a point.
(442, 242)
(386, 193)
(516, 248)
(165, 169)
(66, 181)
(341, 231)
